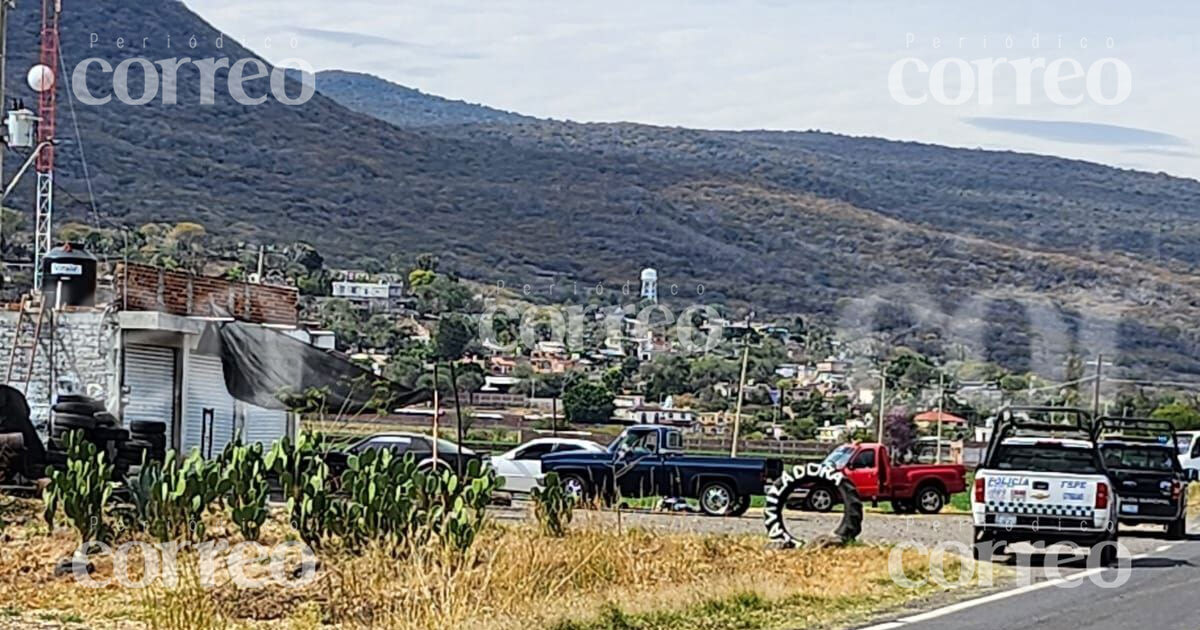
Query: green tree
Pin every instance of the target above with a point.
(584, 401)
(613, 379)
(454, 333)
(666, 375)
(1180, 414)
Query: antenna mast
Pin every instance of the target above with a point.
(45, 158)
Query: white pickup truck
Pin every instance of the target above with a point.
(1044, 490)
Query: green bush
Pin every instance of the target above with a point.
(82, 490)
(553, 506)
(170, 499)
(245, 475)
(387, 499)
(305, 479)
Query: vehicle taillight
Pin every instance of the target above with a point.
(1101, 496)
(978, 490)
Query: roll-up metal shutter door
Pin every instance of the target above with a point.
(150, 378)
(263, 425)
(205, 389)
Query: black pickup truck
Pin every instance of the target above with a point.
(648, 460)
(1140, 456)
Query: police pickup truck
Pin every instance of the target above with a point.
(1140, 457)
(1043, 482)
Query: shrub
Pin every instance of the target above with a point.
(304, 477)
(82, 490)
(553, 506)
(388, 500)
(248, 490)
(170, 499)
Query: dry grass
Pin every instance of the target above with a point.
(514, 578)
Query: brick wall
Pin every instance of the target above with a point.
(146, 288)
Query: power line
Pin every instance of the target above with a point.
(87, 177)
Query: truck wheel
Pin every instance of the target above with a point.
(930, 500)
(981, 551)
(1177, 529)
(743, 504)
(901, 506)
(821, 499)
(717, 498)
(576, 487)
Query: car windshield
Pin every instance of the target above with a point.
(839, 457)
(631, 440)
(1046, 458)
(1139, 457)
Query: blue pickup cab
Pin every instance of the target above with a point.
(649, 460)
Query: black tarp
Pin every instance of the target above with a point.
(270, 369)
(14, 418)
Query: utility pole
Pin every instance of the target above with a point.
(941, 399)
(737, 414)
(1096, 387)
(882, 396)
(5, 5)
(437, 409)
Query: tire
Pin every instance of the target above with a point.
(74, 421)
(930, 499)
(821, 499)
(110, 434)
(743, 504)
(77, 408)
(105, 419)
(1177, 529)
(717, 498)
(575, 485)
(149, 441)
(981, 550)
(147, 427)
(902, 506)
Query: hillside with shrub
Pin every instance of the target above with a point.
(788, 222)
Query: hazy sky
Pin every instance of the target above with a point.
(780, 64)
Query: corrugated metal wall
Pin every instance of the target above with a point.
(150, 379)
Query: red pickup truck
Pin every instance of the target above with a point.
(911, 488)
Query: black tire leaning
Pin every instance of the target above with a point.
(106, 418)
(810, 476)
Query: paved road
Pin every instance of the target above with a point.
(1157, 592)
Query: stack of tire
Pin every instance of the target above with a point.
(125, 447)
(145, 437)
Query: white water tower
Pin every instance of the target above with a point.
(650, 284)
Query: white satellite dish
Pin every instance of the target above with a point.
(40, 78)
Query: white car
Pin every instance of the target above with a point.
(521, 467)
(1189, 449)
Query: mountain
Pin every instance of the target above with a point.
(1007, 253)
(403, 106)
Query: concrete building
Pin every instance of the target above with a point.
(373, 296)
(147, 354)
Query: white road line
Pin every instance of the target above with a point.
(995, 597)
